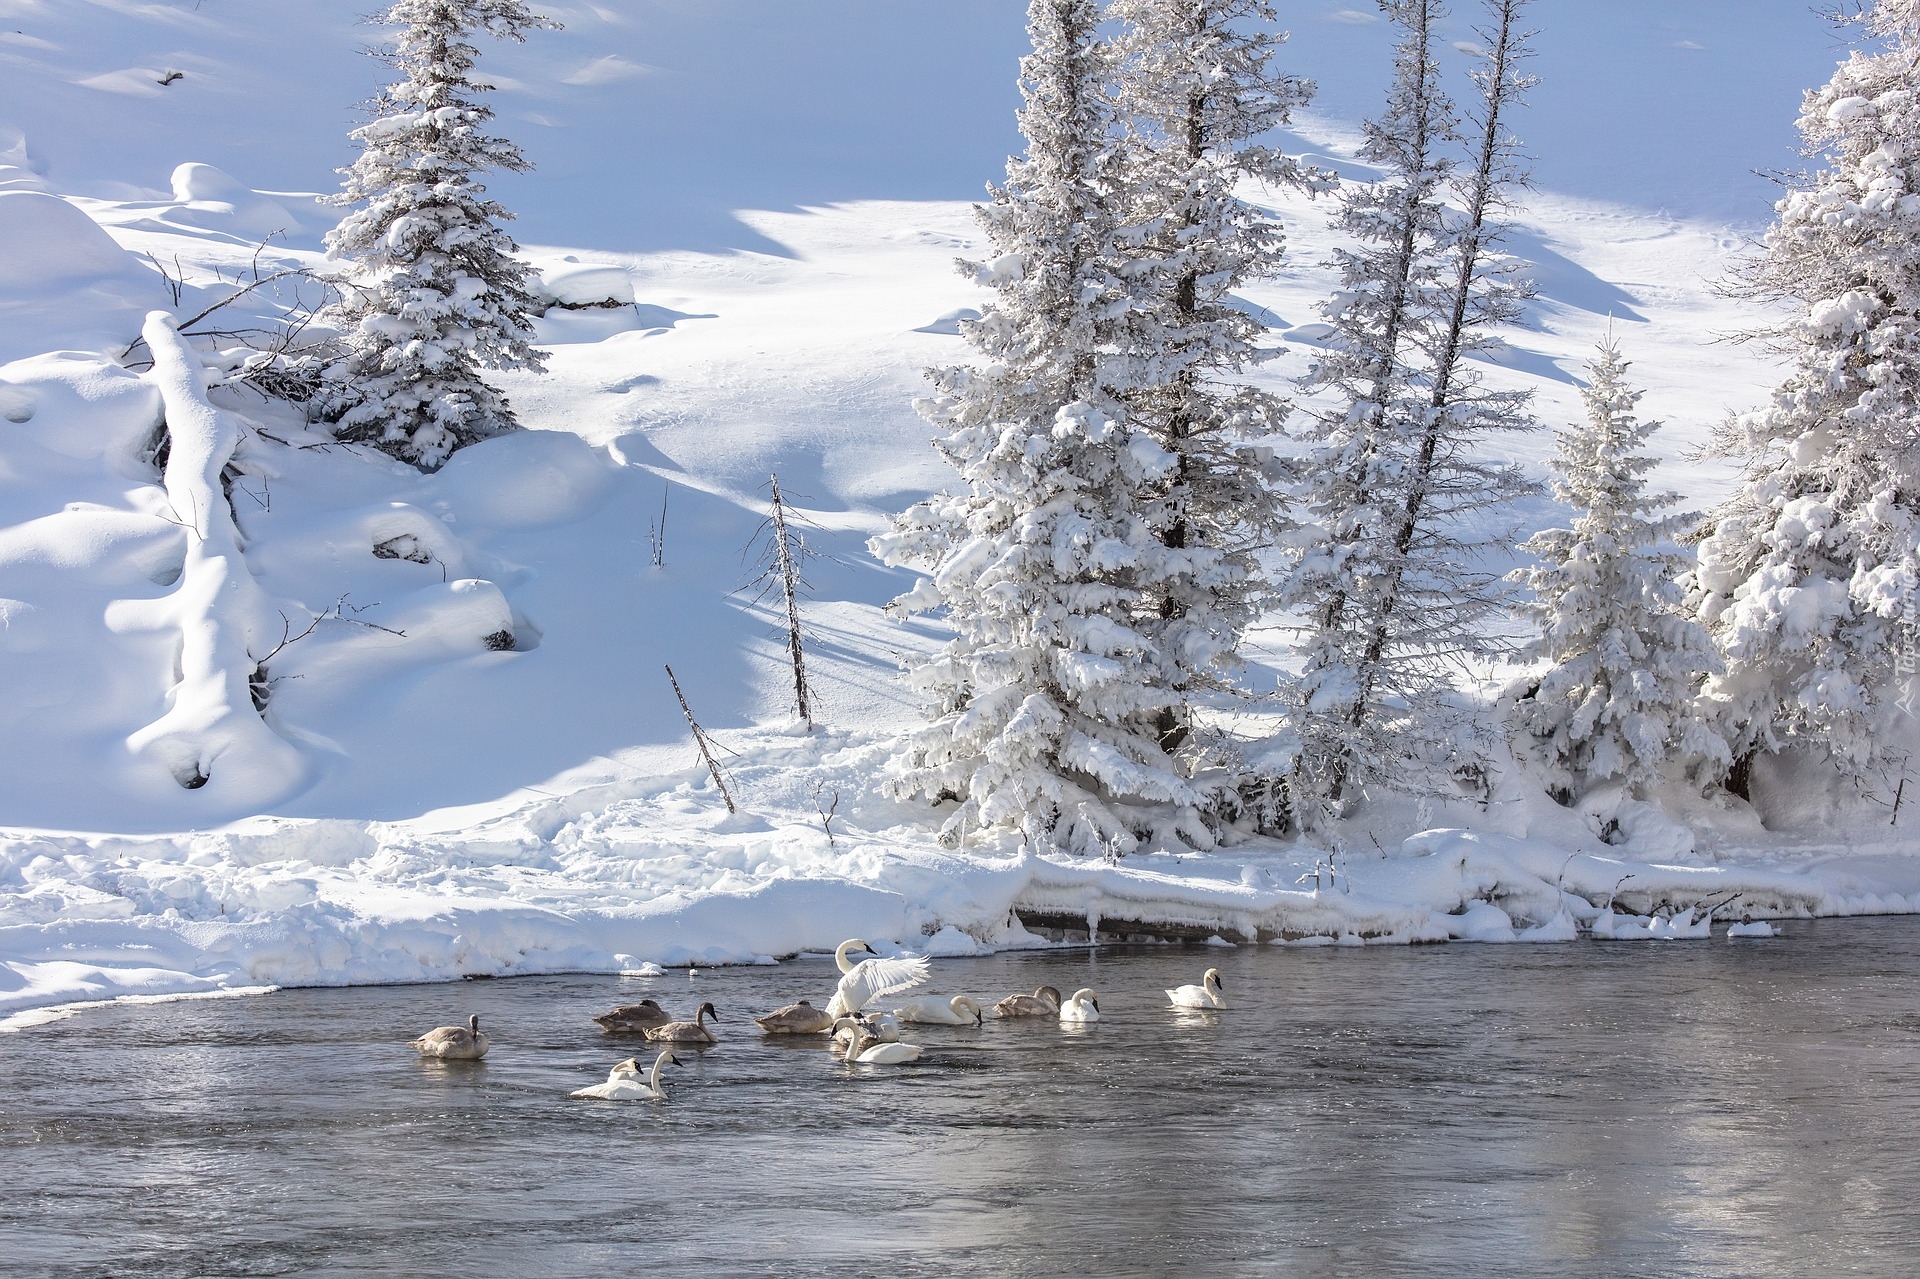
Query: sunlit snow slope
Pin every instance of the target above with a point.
(773, 193)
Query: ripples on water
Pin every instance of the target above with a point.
(1688, 1108)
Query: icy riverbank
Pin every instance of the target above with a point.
(656, 871)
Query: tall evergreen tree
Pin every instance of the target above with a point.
(433, 291)
(1392, 578)
(1808, 577)
(1197, 94)
(1044, 708)
(1617, 704)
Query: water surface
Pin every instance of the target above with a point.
(1673, 1109)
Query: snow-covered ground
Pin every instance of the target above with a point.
(774, 196)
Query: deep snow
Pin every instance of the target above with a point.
(772, 199)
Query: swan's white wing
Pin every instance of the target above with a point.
(872, 978)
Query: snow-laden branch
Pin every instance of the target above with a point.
(210, 735)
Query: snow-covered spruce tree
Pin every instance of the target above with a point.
(1809, 578)
(1616, 707)
(432, 292)
(1406, 510)
(1044, 710)
(1196, 91)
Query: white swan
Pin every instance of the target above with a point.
(1205, 995)
(961, 1010)
(626, 1083)
(454, 1043)
(868, 980)
(863, 1049)
(1082, 1005)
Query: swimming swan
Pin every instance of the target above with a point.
(1044, 1002)
(866, 981)
(687, 1032)
(454, 1043)
(1205, 995)
(796, 1019)
(634, 1019)
(1083, 1005)
(863, 1049)
(961, 1010)
(626, 1083)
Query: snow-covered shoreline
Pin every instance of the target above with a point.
(655, 871)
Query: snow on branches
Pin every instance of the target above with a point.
(1616, 707)
(433, 292)
(1045, 710)
(1809, 574)
(1402, 507)
(1196, 91)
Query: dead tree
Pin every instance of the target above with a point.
(705, 744)
(781, 563)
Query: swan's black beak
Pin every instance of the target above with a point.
(1095, 1003)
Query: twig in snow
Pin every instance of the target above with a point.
(782, 565)
(657, 533)
(706, 753)
(826, 811)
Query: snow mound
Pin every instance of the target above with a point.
(64, 282)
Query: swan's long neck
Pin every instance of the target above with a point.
(659, 1063)
(840, 957)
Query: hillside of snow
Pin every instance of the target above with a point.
(471, 759)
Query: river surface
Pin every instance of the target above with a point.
(1603, 1109)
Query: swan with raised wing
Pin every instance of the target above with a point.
(870, 979)
(1205, 995)
(626, 1083)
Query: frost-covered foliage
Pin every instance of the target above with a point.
(1808, 577)
(433, 291)
(1617, 705)
(1196, 90)
(1044, 710)
(1402, 507)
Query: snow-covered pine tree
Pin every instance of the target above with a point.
(1392, 579)
(1616, 707)
(1197, 90)
(433, 292)
(1044, 708)
(1809, 578)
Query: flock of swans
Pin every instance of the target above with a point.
(858, 1028)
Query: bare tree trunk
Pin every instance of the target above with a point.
(783, 562)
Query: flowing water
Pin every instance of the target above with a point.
(1671, 1109)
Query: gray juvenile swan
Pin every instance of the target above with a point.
(626, 1083)
(454, 1043)
(1044, 1002)
(687, 1032)
(796, 1019)
(634, 1019)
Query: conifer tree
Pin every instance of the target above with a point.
(1392, 576)
(1808, 577)
(433, 293)
(1616, 707)
(1197, 94)
(1044, 709)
